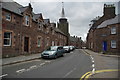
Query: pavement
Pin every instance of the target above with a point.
(18, 59)
(101, 54)
(105, 67)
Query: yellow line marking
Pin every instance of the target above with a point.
(86, 76)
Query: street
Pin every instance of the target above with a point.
(73, 65)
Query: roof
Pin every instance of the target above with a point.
(46, 21)
(18, 9)
(58, 30)
(110, 21)
(12, 6)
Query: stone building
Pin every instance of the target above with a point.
(104, 34)
(63, 25)
(76, 41)
(25, 32)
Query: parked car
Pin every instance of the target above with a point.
(72, 48)
(67, 49)
(53, 52)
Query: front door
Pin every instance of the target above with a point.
(104, 45)
(26, 44)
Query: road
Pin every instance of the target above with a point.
(73, 65)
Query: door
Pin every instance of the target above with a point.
(26, 44)
(104, 45)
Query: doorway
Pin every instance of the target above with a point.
(104, 45)
(26, 44)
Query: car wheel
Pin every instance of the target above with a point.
(62, 55)
(55, 56)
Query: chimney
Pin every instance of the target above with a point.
(109, 10)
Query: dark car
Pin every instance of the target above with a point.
(53, 52)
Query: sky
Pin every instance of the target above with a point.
(78, 12)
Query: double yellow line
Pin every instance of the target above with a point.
(88, 74)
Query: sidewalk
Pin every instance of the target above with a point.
(18, 59)
(106, 66)
(90, 51)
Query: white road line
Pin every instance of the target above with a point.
(42, 64)
(3, 75)
(93, 61)
(93, 65)
(48, 61)
(21, 70)
(33, 66)
(92, 58)
(93, 71)
(69, 72)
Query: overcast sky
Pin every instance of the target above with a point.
(79, 13)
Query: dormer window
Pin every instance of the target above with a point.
(113, 30)
(27, 20)
(8, 17)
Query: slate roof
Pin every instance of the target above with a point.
(36, 16)
(46, 21)
(110, 21)
(58, 30)
(12, 6)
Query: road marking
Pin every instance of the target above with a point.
(42, 64)
(3, 75)
(33, 66)
(21, 70)
(88, 74)
(92, 58)
(93, 61)
(48, 61)
(93, 65)
(69, 72)
(84, 75)
(93, 71)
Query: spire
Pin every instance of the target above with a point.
(63, 13)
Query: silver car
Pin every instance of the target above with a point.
(53, 52)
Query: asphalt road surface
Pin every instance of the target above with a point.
(72, 65)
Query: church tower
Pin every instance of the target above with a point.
(63, 24)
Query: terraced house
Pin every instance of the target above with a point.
(104, 34)
(25, 32)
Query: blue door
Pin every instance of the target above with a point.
(105, 46)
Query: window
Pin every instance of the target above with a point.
(39, 41)
(113, 30)
(27, 21)
(113, 44)
(7, 39)
(8, 16)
